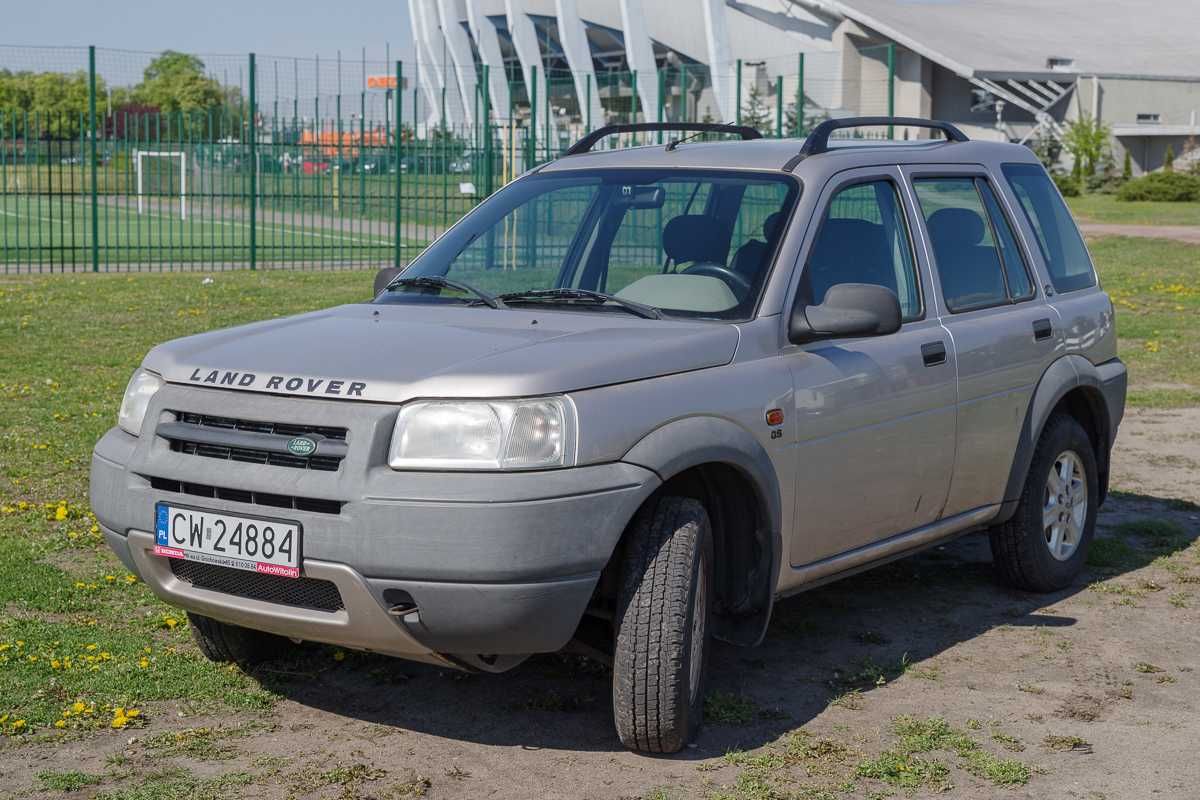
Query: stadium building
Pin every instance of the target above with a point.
(1006, 69)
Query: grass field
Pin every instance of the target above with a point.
(53, 234)
(1106, 208)
(85, 647)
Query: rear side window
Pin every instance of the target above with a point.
(1058, 238)
(863, 238)
(978, 260)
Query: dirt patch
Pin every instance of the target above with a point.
(1088, 693)
(1178, 233)
(1158, 453)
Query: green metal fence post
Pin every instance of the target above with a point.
(800, 96)
(779, 106)
(396, 258)
(253, 134)
(531, 150)
(662, 88)
(92, 156)
(738, 92)
(489, 173)
(891, 90)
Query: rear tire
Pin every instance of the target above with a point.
(223, 643)
(662, 624)
(1044, 546)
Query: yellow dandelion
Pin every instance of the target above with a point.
(78, 706)
(338, 655)
(60, 513)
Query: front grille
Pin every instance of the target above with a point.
(314, 504)
(300, 592)
(233, 450)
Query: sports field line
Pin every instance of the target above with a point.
(261, 226)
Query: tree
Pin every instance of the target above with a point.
(176, 81)
(53, 105)
(1047, 148)
(1169, 160)
(1086, 139)
(755, 112)
(1127, 169)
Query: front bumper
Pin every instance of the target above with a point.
(493, 563)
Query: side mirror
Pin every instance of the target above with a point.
(849, 310)
(384, 277)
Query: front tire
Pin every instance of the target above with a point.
(223, 643)
(1044, 546)
(662, 626)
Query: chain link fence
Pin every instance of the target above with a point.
(117, 160)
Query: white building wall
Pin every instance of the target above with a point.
(524, 37)
(488, 43)
(579, 56)
(458, 45)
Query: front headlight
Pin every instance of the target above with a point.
(141, 388)
(484, 434)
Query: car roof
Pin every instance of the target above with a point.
(780, 155)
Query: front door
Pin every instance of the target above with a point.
(875, 415)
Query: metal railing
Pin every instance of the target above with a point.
(279, 165)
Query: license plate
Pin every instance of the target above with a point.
(257, 544)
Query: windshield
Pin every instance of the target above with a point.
(687, 242)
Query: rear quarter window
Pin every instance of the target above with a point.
(1057, 236)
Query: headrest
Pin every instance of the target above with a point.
(772, 225)
(692, 238)
(959, 227)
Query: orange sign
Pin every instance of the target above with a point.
(381, 81)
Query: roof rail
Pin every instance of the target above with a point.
(818, 140)
(585, 144)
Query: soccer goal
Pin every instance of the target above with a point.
(158, 176)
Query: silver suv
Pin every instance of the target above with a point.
(628, 403)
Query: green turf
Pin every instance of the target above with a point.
(50, 234)
(1155, 287)
(1107, 208)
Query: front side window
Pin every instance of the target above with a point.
(864, 238)
(686, 242)
(1062, 247)
(978, 261)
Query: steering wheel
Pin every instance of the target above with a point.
(738, 284)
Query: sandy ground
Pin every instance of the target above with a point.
(1008, 667)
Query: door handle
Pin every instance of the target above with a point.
(933, 353)
(1042, 329)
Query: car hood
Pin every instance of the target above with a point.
(391, 353)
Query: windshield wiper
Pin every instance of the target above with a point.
(442, 282)
(640, 309)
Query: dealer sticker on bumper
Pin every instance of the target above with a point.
(269, 546)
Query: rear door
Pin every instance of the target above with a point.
(1004, 334)
(875, 416)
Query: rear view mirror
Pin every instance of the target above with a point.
(849, 310)
(384, 277)
(640, 196)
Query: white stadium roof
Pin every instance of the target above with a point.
(990, 38)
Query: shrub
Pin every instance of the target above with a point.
(1127, 169)
(1175, 187)
(1067, 184)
